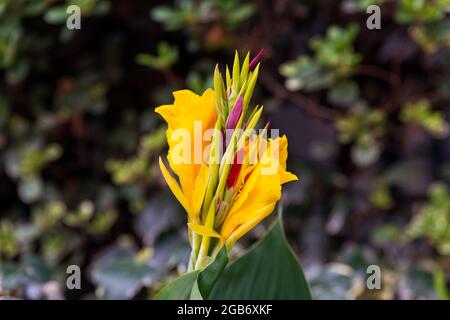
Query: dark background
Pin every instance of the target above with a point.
(364, 111)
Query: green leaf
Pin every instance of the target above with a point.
(208, 277)
(344, 93)
(166, 57)
(439, 284)
(269, 270)
(240, 14)
(56, 15)
(195, 285)
(179, 289)
(122, 278)
(162, 13)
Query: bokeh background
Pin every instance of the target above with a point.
(364, 111)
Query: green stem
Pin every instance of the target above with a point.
(203, 253)
(216, 249)
(204, 247)
(194, 252)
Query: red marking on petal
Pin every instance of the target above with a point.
(234, 173)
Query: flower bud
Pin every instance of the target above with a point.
(255, 60)
(235, 114)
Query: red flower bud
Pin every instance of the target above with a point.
(235, 114)
(255, 60)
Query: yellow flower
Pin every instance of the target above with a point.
(226, 198)
(188, 108)
(258, 191)
(260, 188)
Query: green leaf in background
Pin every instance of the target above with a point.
(439, 284)
(122, 278)
(344, 93)
(56, 15)
(269, 270)
(166, 57)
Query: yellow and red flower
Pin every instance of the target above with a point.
(224, 199)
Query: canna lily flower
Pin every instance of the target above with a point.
(238, 183)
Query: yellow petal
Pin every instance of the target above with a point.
(286, 176)
(249, 224)
(187, 111)
(203, 230)
(276, 155)
(200, 185)
(186, 98)
(283, 144)
(263, 193)
(167, 112)
(261, 187)
(174, 186)
(249, 184)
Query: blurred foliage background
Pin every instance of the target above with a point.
(365, 112)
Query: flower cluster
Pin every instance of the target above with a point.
(229, 175)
